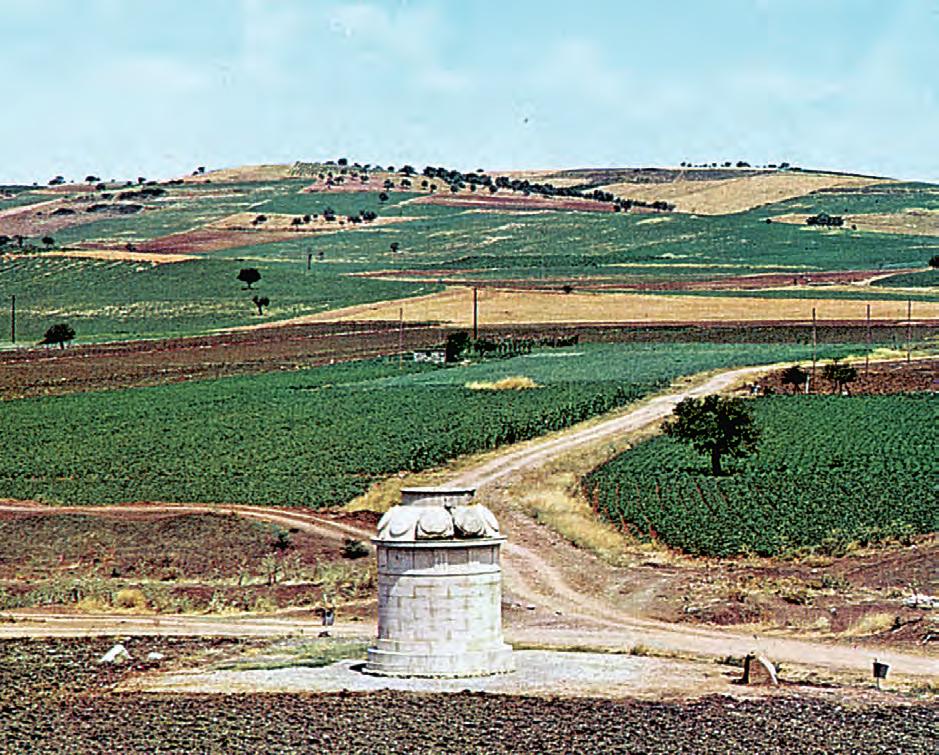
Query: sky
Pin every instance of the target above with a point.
(120, 88)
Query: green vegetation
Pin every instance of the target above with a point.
(716, 426)
(320, 437)
(886, 198)
(128, 299)
(923, 279)
(107, 300)
(829, 471)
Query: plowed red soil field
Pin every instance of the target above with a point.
(506, 202)
(56, 698)
(40, 371)
(879, 378)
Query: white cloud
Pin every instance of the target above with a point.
(412, 37)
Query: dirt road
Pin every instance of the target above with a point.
(541, 573)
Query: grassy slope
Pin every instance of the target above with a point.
(321, 436)
(104, 300)
(923, 279)
(829, 470)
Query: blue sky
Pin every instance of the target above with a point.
(120, 88)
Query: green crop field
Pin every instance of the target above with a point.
(884, 198)
(321, 436)
(828, 471)
(923, 279)
(106, 300)
(130, 300)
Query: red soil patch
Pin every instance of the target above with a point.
(202, 240)
(159, 544)
(758, 281)
(879, 379)
(38, 371)
(485, 200)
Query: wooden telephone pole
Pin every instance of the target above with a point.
(400, 337)
(814, 346)
(475, 313)
(909, 328)
(13, 318)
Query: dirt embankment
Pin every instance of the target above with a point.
(42, 371)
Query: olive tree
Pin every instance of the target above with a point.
(714, 425)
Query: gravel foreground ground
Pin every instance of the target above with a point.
(56, 698)
(400, 722)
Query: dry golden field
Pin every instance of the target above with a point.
(454, 307)
(912, 222)
(736, 194)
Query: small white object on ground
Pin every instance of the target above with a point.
(918, 600)
(758, 670)
(155, 656)
(117, 654)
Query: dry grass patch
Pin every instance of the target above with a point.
(243, 174)
(722, 197)
(122, 255)
(454, 307)
(514, 383)
(911, 222)
(870, 624)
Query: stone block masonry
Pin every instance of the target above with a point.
(439, 589)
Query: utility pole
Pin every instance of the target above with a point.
(400, 338)
(909, 328)
(814, 345)
(13, 318)
(309, 261)
(867, 356)
(475, 313)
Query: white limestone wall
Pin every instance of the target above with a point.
(439, 609)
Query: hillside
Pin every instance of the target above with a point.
(161, 258)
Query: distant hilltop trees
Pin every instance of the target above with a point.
(336, 172)
(738, 164)
(826, 220)
(479, 179)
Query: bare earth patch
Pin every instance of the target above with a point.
(122, 255)
(504, 201)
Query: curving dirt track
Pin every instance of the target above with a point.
(543, 574)
(561, 584)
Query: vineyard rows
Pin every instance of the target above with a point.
(320, 437)
(829, 471)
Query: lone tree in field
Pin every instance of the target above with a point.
(260, 303)
(48, 241)
(839, 374)
(394, 247)
(716, 426)
(248, 276)
(58, 334)
(794, 376)
(934, 261)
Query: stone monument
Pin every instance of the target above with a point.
(439, 588)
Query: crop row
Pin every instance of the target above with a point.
(828, 471)
(321, 436)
